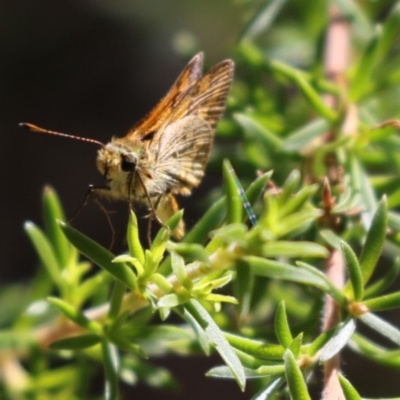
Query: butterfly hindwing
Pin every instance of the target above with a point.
(184, 148)
(183, 144)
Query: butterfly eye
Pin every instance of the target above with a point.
(128, 163)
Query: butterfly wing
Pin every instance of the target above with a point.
(183, 144)
(207, 98)
(152, 121)
(184, 149)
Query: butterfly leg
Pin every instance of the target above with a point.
(154, 216)
(153, 213)
(92, 189)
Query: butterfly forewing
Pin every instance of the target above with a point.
(183, 144)
(152, 122)
(208, 97)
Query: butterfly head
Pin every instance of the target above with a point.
(117, 159)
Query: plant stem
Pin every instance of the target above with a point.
(337, 54)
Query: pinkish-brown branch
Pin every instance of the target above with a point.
(336, 60)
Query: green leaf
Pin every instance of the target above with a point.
(156, 253)
(111, 369)
(262, 20)
(217, 339)
(198, 330)
(154, 256)
(268, 391)
(282, 328)
(294, 378)
(163, 235)
(117, 324)
(233, 233)
(45, 251)
(116, 298)
(127, 259)
(353, 267)
(289, 249)
(132, 237)
(223, 371)
(126, 344)
(303, 137)
(257, 187)
(290, 203)
(256, 348)
(390, 31)
(233, 202)
(257, 131)
(295, 346)
(308, 91)
(374, 242)
(174, 221)
(350, 393)
(338, 341)
(208, 222)
(381, 326)
(75, 315)
(305, 274)
(375, 352)
(92, 286)
(290, 186)
(172, 300)
(332, 289)
(387, 280)
(178, 268)
(385, 302)
(362, 74)
(322, 340)
(76, 343)
(243, 287)
(162, 282)
(394, 220)
(190, 251)
(151, 262)
(100, 256)
(361, 184)
(52, 210)
(294, 223)
(331, 238)
(253, 56)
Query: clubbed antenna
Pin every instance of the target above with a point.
(35, 128)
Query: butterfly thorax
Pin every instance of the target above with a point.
(120, 162)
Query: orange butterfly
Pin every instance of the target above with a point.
(166, 152)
